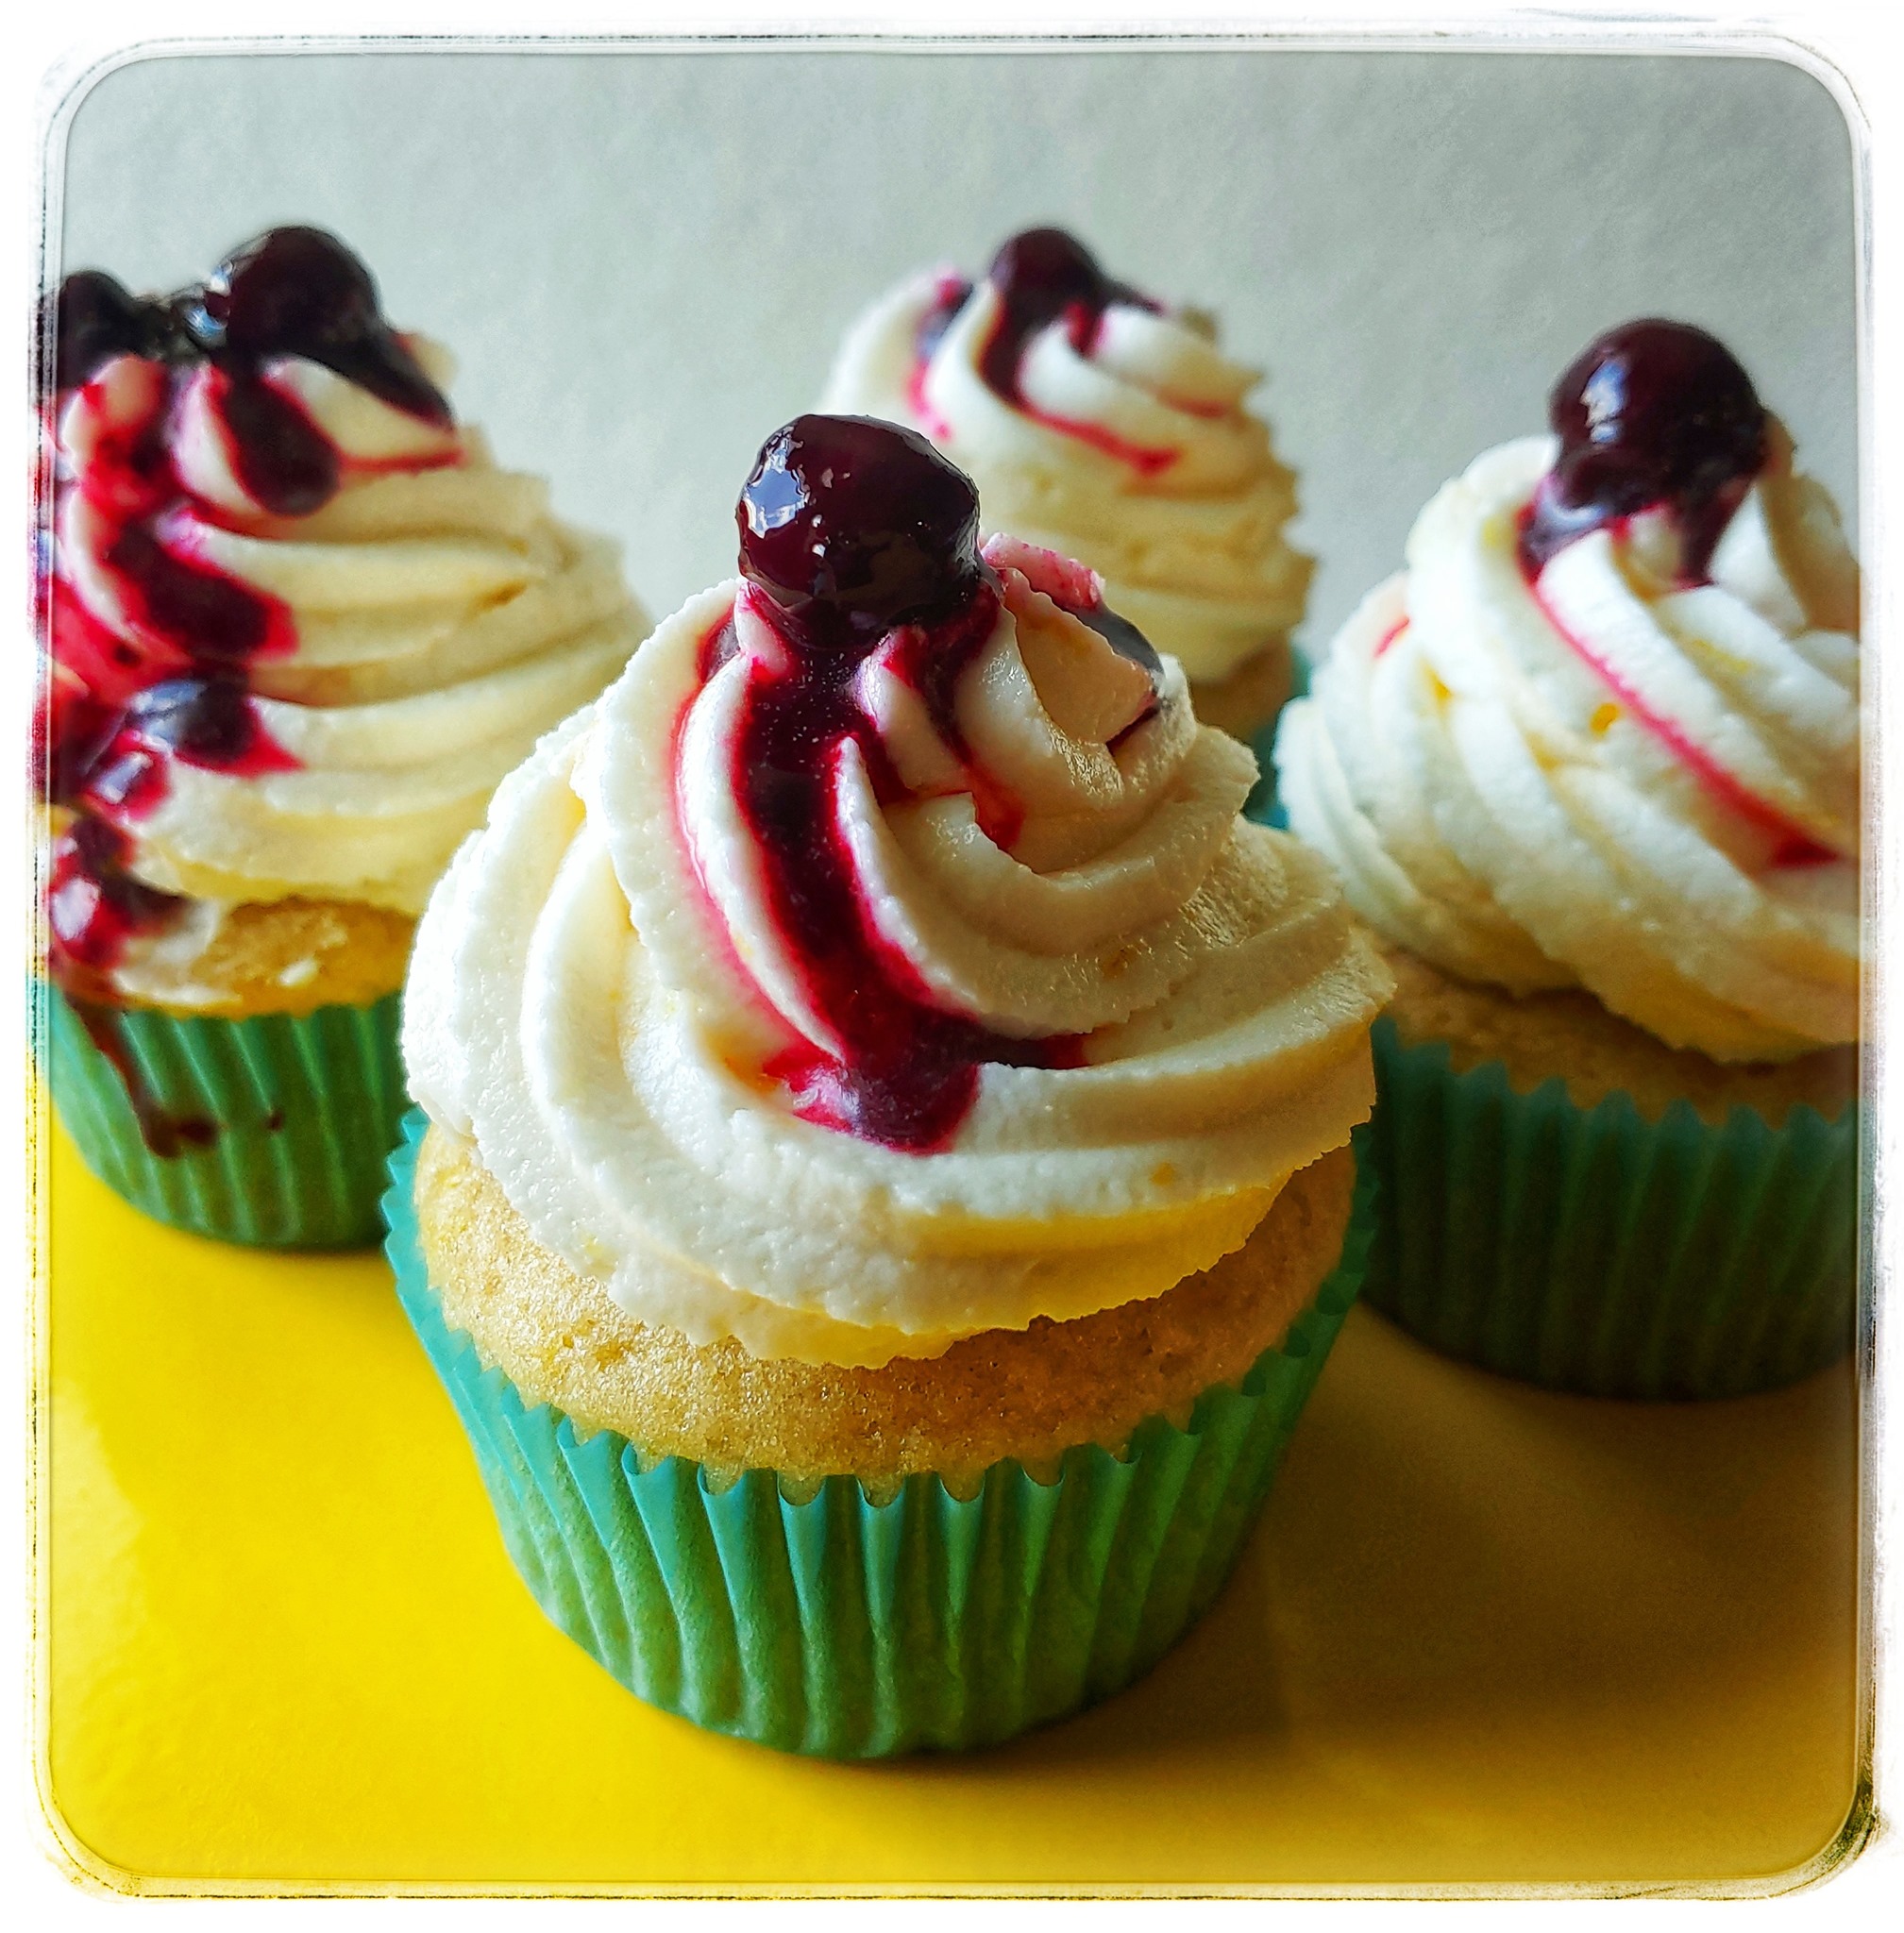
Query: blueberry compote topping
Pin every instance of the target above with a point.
(209, 722)
(1650, 414)
(852, 526)
(94, 906)
(96, 318)
(859, 532)
(1041, 276)
(1657, 416)
(158, 673)
(954, 292)
(299, 291)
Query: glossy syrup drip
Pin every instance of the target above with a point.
(207, 722)
(856, 530)
(94, 905)
(160, 676)
(202, 613)
(283, 459)
(1657, 415)
(953, 292)
(1653, 414)
(1042, 276)
(165, 1134)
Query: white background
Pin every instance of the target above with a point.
(643, 261)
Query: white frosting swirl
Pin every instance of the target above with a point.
(1160, 479)
(600, 985)
(440, 621)
(1606, 778)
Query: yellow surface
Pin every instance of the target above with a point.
(1484, 1634)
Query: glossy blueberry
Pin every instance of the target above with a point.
(852, 526)
(1650, 413)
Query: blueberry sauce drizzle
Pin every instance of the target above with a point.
(1124, 638)
(96, 318)
(94, 906)
(1650, 414)
(165, 1134)
(1042, 276)
(954, 292)
(207, 722)
(1657, 415)
(160, 678)
(857, 533)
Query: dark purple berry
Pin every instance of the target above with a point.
(206, 722)
(1651, 412)
(300, 292)
(1044, 271)
(1655, 412)
(853, 526)
(1043, 275)
(97, 318)
(287, 464)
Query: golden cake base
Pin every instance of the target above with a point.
(1029, 1393)
(290, 956)
(1536, 1037)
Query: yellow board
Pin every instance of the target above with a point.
(1483, 1635)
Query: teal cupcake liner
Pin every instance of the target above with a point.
(272, 1131)
(824, 1622)
(1262, 804)
(1591, 1250)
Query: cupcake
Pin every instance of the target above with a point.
(297, 625)
(1590, 767)
(886, 1191)
(1111, 429)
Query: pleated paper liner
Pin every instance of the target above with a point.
(272, 1131)
(822, 1621)
(1594, 1250)
(1262, 804)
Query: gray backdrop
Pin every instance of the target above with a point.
(643, 261)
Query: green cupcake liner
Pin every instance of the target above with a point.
(272, 1131)
(823, 1622)
(1594, 1250)
(1262, 804)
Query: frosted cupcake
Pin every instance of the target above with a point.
(297, 625)
(1106, 425)
(886, 1191)
(1591, 767)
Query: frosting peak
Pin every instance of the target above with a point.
(300, 623)
(1626, 757)
(1102, 425)
(1045, 276)
(879, 667)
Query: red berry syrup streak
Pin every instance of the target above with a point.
(161, 677)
